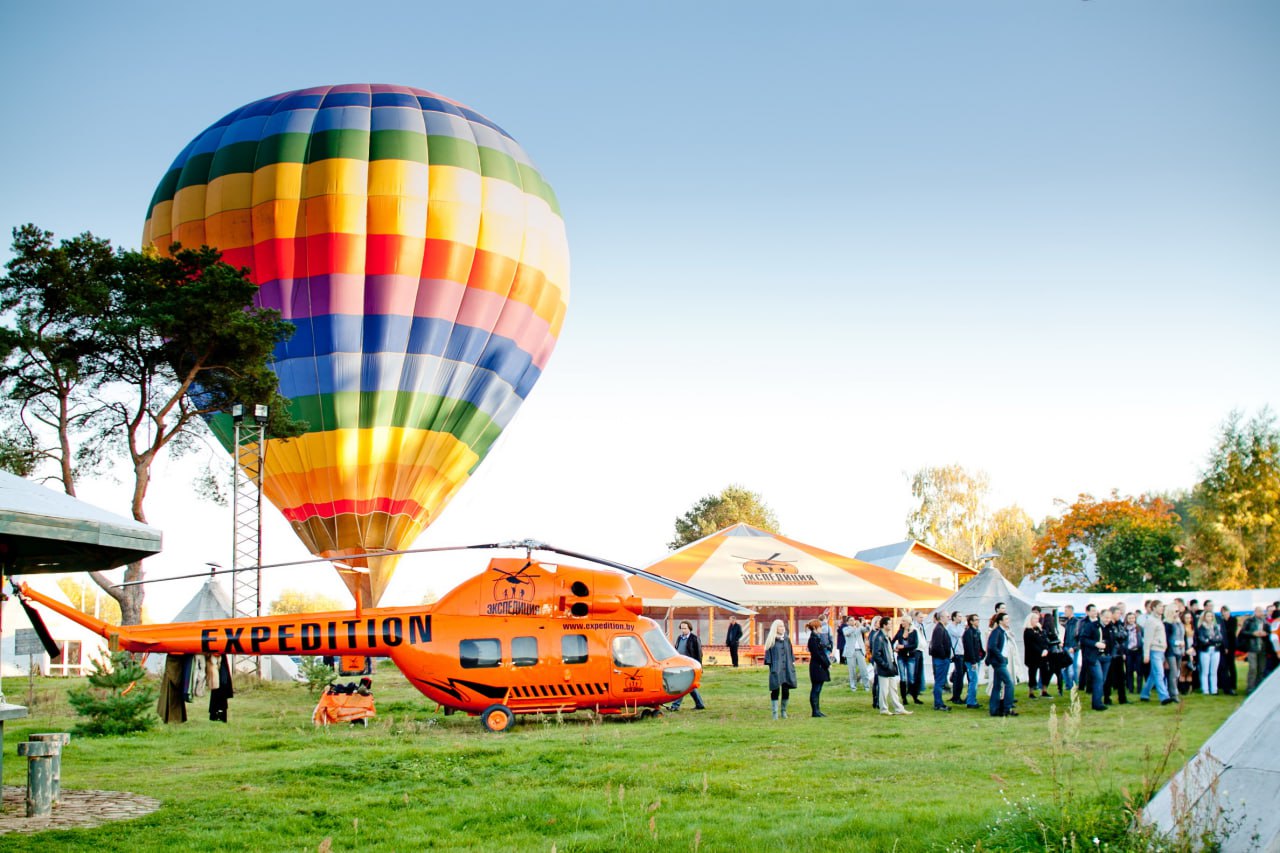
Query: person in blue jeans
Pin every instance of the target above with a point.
(1093, 647)
(973, 655)
(1155, 643)
(1001, 704)
(940, 652)
(905, 643)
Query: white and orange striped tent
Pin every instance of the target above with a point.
(760, 569)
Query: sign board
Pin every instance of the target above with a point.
(27, 642)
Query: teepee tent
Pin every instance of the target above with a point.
(1226, 786)
(980, 596)
(211, 601)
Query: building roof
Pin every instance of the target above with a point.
(42, 530)
(891, 556)
(760, 569)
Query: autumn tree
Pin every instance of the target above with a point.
(90, 600)
(734, 504)
(116, 352)
(1121, 543)
(1012, 535)
(951, 512)
(297, 601)
(1234, 511)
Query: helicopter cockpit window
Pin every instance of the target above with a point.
(659, 646)
(573, 648)
(627, 652)
(477, 654)
(524, 651)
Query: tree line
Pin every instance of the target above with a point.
(1223, 532)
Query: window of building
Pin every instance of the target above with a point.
(573, 648)
(524, 651)
(478, 654)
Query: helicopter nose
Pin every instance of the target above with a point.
(677, 679)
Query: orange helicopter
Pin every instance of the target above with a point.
(525, 636)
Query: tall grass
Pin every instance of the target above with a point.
(728, 778)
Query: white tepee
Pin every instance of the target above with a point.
(980, 596)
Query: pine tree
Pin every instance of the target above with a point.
(116, 702)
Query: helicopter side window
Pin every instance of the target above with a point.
(627, 652)
(478, 654)
(573, 648)
(659, 646)
(524, 651)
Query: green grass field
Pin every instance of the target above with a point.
(728, 778)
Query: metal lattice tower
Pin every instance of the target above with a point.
(246, 512)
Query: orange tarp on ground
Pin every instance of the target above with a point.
(760, 569)
(342, 708)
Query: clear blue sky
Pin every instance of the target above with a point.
(812, 249)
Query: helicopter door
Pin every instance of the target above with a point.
(630, 663)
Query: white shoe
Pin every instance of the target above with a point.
(906, 713)
(886, 713)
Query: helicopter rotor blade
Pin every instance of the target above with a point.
(315, 560)
(42, 630)
(710, 598)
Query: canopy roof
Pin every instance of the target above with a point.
(42, 530)
(761, 569)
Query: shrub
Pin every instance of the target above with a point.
(315, 673)
(117, 701)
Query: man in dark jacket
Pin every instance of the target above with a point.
(1093, 655)
(1001, 704)
(940, 652)
(688, 645)
(1071, 644)
(1117, 640)
(1253, 640)
(1227, 663)
(732, 638)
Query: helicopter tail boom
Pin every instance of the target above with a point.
(374, 632)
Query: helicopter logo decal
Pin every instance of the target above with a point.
(772, 571)
(514, 593)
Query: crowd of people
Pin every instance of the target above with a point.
(1166, 649)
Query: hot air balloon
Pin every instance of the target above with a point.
(423, 260)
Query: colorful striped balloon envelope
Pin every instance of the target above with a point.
(423, 260)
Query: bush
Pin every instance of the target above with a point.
(117, 701)
(315, 673)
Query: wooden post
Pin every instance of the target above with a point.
(61, 739)
(791, 619)
(711, 626)
(39, 776)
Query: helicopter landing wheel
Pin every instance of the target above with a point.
(648, 713)
(497, 718)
